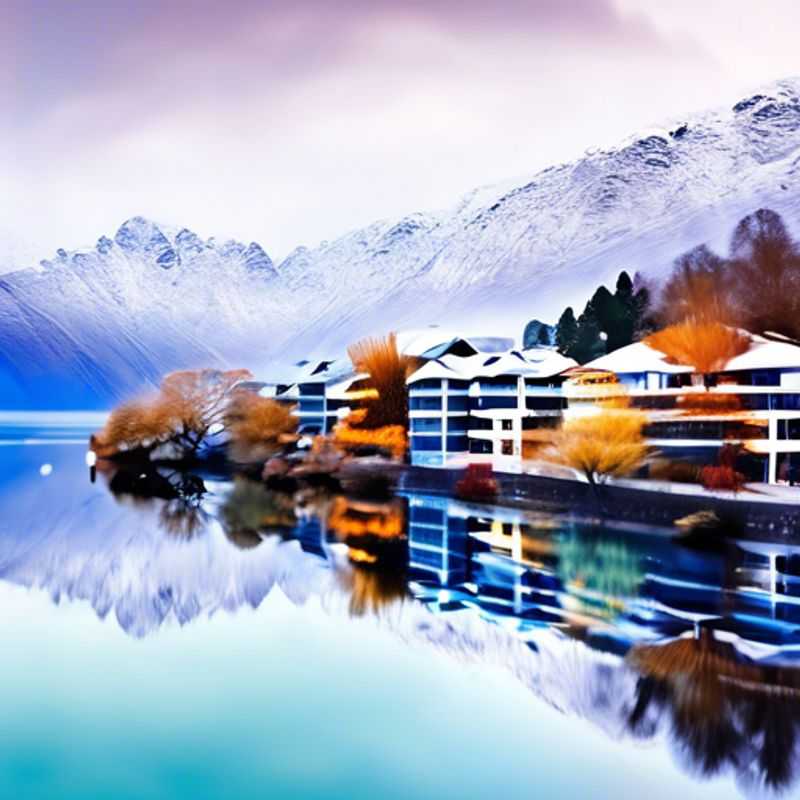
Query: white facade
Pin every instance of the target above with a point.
(477, 407)
(754, 401)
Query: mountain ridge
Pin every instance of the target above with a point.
(154, 298)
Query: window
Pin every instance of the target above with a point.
(534, 423)
(422, 534)
(498, 384)
(507, 424)
(314, 389)
(311, 405)
(430, 516)
(425, 403)
(545, 403)
(480, 446)
(457, 403)
(457, 424)
(426, 443)
(457, 444)
(507, 447)
(426, 383)
(789, 428)
(479, 424)
(458, 385)
(426, 424)
(786, 402)
(702, 429)
(430, 558)
(492, 402)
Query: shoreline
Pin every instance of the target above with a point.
(760, 520)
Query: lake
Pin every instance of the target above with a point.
(236, 643)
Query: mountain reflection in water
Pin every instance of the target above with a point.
(640, 637)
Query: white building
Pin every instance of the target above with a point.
(754, 401)
(476, 407)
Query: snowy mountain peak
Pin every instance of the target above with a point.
(256, 260)
(157, 298)
(142, 235)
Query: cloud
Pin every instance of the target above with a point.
(295, 121)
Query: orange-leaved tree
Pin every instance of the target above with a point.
(606, 443)
(189, 405)
(387, 370)
(200, 399)
(382, 420)
(258, 426)
(706, 346)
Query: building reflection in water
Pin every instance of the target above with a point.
(705, 645)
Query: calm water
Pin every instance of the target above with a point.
(245, 644)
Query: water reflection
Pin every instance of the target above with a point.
(723, 711)
(638, 636)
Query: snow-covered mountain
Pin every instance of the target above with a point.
(88, 326)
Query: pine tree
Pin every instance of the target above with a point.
(621, 326)
(624, 291)
(644, 320)
(566, 331)
(588, 343)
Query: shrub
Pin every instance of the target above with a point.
(674, 471)
(602, 444)
(721, 477)
(391, 439)
(477, 483)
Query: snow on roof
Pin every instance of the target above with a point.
(417, 341)
(636, 357)
(639, 357)
(327, 371)
(433, 342)
(540, 362)
(435, 369)
(549, 361)
(766, 354)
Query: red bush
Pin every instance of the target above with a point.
(722, 477)
(477, 483)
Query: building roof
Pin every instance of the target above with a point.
(538, 362)
(640, 357)
(435, 342)
(766, 354)
(635, 358)
(327, 372)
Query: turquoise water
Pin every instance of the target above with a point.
(144, 661)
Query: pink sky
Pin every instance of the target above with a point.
(292, 122)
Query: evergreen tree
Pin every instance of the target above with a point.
(623, 318)
(624, 291)
(588, 343)
(645, 319)
(566, 331)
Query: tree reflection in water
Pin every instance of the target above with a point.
(178, 495)
(724, 711)
(607, 569)
(377, 551)
(250, 511)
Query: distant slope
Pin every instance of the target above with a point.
(88, 327)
